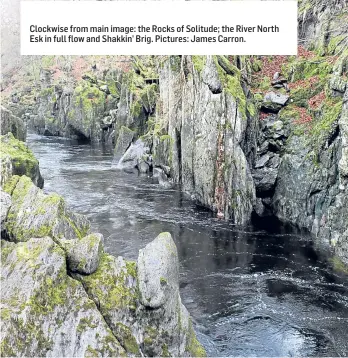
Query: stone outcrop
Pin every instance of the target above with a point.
(119, 287)
(205, 119)
(35, 214)
(44, 311)
(12, 124)
(17, 159)
(63, 296)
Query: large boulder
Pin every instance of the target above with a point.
(17, 159)
(35, 214)
(135, 152)
(44, 312)
(141, 303)
(124, 140)
(158, 272)
(84, 254)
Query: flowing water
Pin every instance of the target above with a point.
(249, 292)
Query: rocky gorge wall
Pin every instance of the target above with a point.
(62, 295)
(244, 136)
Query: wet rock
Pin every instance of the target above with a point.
(196, 141)
(83, 255)
(17, 159)
(143, 166)
(123, 142)
(35, 214)
(135, 152)
(162, 177)
(47, 307)
(118, 286)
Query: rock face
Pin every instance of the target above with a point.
(5, 201)
(12, 124)
(44, 311)
(97, 314)
(62, 296)
(205, 133)
(124, 292)
(158, 272)
(17, 159)
(34, 214)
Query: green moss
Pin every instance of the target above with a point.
(198, 62)
(89, 99)
(47, 61)
(85, 323)
(109, 290)
(300, 68)
(148, 96)
(338, 265)
(6, 249)
(163, 281)
(131, 268)
(301, 94)
(23, 160)
(91, 352)
(126, 338)
(48, 91)
(334, 44)
(10, 185)
(328, 114)
(193, 346)
(234, 87)
(165, 351)
(136, 109)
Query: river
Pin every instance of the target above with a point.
(250, 292)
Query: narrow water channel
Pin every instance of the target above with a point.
(249, 292)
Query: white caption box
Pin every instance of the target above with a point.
(255, 27)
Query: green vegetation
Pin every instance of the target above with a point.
(111, 291)
(22, 158)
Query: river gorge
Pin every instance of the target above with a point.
(250, 292)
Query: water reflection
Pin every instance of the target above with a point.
(250, 293)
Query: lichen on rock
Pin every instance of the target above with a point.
(35, 214)
(17, 159)
(44, 311)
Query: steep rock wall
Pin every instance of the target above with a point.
(203, 115)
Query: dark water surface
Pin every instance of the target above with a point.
(250, 293)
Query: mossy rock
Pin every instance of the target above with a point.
(34, 214)
(83, 255)
(41, 305)
(17, 159)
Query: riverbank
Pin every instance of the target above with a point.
(244, 288)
